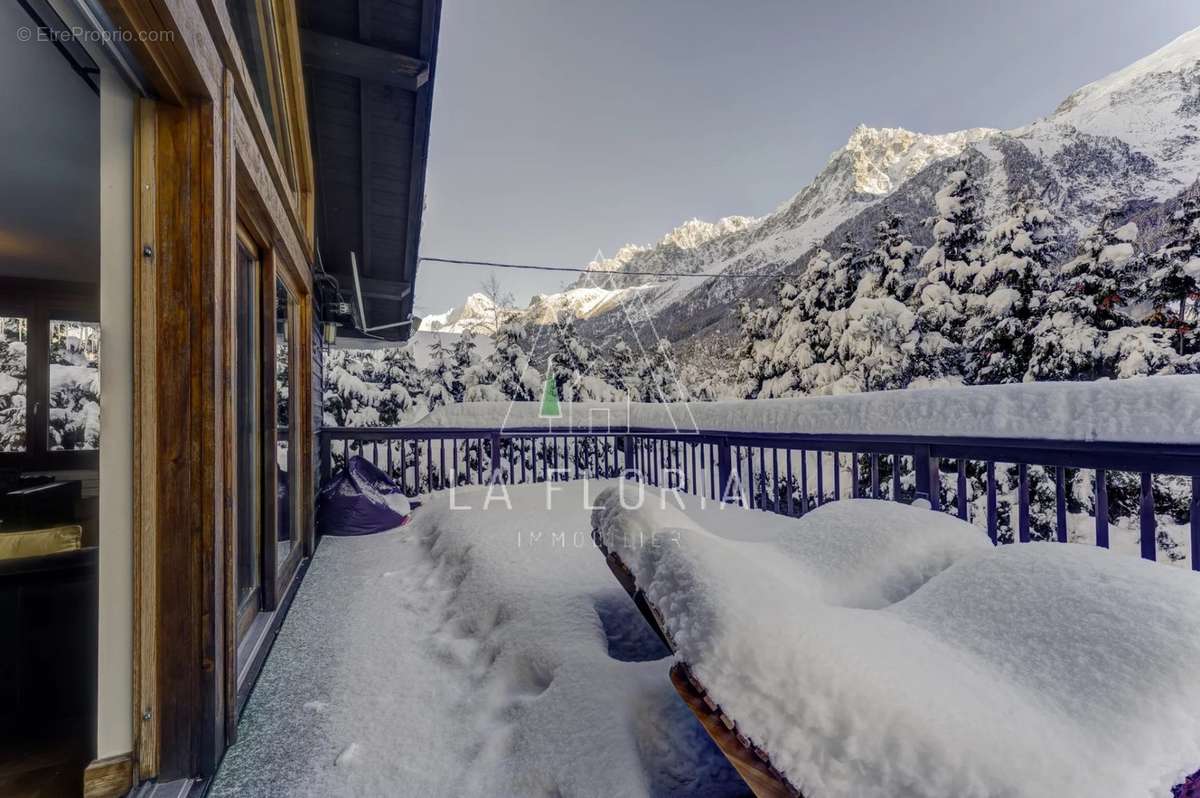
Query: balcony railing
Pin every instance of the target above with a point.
(986, 480)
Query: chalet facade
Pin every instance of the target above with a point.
(167, 283)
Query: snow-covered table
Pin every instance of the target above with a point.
(876, 649)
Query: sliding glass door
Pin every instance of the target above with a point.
(287, 548)
(249, 436)
(269, 534)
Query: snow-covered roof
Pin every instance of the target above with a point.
(1145, 410)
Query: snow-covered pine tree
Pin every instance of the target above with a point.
(1007, 299)
(1142, 350)
(949, 267)
(845, 274)
(659, 377)
(576, 367)
(1088, 307)
(620, 370)
(893, 260)
(439, 377)
(465, 362)
(874, 341)
(400, 383)
(506, 374)
(756, 344)
(1173, 281)
(351, 394)
(802, 343)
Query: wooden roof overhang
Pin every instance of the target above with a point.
(369, 66)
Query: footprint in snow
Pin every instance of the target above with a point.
(349, 756)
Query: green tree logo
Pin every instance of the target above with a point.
(550, 408)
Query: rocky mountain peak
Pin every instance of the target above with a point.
(880, 159)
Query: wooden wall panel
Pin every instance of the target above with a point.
(190, 471)
(202, 149)
(145, 448)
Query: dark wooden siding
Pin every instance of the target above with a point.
(370, 148)
(338, 150)
(396, 24)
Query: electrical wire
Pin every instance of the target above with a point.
(601, 274)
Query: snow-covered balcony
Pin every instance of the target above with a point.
(491, 646)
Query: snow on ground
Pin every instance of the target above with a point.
(877, 649)
(470, 653)
(1145, 409)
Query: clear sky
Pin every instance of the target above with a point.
(563, 127)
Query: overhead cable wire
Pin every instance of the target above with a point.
(594, 272)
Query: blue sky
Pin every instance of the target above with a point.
(563, 127)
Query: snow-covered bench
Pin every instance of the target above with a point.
(876, 649)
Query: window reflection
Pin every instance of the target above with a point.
(74, 400)
(14, 332)
(249, 426)
(284, 305)
(254, 27)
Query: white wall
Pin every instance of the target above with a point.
(114, 723)
(114, 720)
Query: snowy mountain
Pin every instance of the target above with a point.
(480, 315)
(871, 164)
(1127, 142)
(477, 314)
(681, 250)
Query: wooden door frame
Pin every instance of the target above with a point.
(180, 437)
(201, 152)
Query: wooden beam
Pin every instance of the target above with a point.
(366, 149)
(363, 61)
(397, 290)
(431, 17)
(108, 777)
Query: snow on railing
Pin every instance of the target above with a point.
(1116, 463)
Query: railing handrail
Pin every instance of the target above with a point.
(1161, 458)
(713, 459)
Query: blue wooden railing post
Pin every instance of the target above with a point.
(1023, 503)
(993, 516)
(1195, 518)
(1146, 522)
(324, 458)
(925, 468)
(497, 472)
(630, 455)
(724, 467)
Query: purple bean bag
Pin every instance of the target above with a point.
(361, 500)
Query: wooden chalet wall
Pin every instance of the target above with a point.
(204, 161)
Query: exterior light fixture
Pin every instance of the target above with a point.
(329, 333)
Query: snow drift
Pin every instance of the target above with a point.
(876, 649)
(1145, 410)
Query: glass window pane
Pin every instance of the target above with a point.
(13, 358)
(74, 418)
(283, 522)
(254, 28)
(249, 424)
